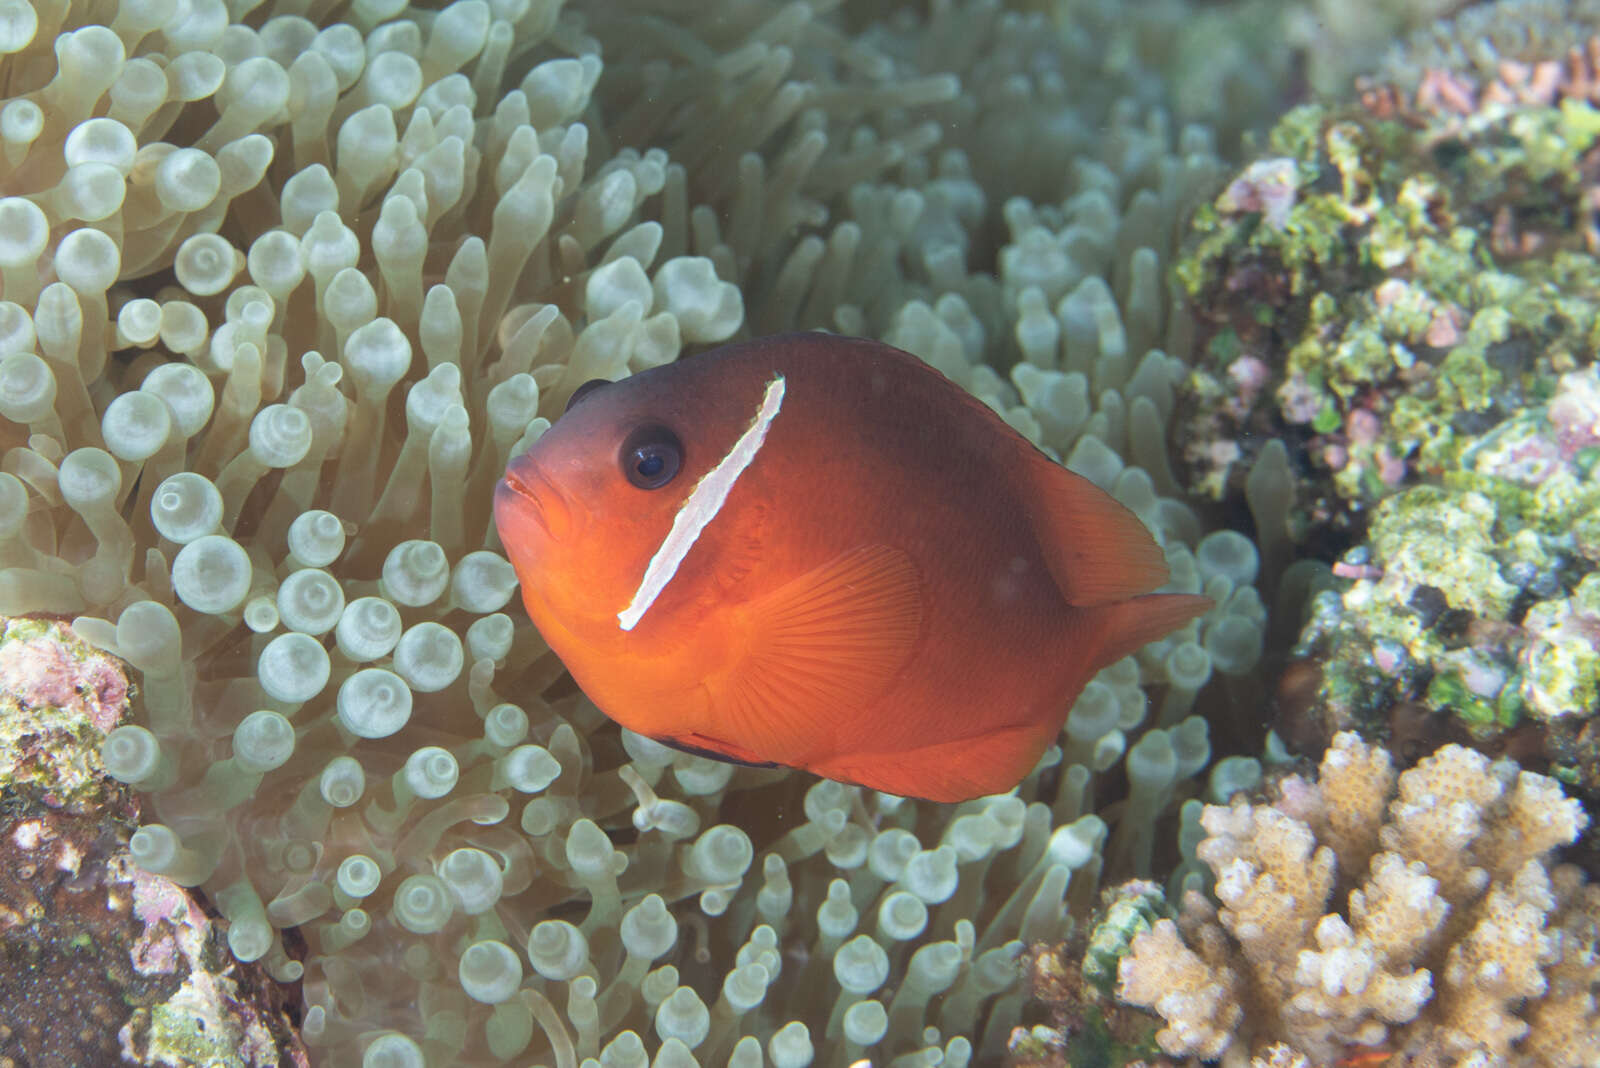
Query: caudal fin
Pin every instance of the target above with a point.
(1119, 629)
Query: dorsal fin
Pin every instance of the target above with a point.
(1097, 550)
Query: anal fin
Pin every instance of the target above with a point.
(958, 769)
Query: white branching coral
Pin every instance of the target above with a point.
(1458, 943)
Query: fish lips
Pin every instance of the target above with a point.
(526, 495)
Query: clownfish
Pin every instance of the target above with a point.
(819, 552)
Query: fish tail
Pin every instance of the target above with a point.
(1124, 627)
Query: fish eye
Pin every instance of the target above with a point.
(651, 456)
(583, 391)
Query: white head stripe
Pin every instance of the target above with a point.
(701, 507)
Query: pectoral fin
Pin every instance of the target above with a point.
(812, 657)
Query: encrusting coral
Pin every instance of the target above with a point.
(1399, 299)
(1419, 915)
(278, 297)
(58, 697)
(100, 961)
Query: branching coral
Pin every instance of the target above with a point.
(1483, 40)
(1420, 914)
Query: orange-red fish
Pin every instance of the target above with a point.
(818, 551)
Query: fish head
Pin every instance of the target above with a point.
(593, 513)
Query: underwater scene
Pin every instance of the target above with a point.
(860, 533)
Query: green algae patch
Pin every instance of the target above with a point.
(198, 1026)
(1408, 299)
(1429, 536)
(1476, 597)
(1403, 284)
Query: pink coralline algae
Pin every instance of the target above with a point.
(173, 929)
(1529, 460)
(1249, 375)
(103, 963)
(1391, 468)
(1574, 411)
(1535, 447)
(1299, 400)
(1362, 427)
(58, 698)
(42, 666)
(1267, 186)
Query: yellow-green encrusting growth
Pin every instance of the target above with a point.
(1402, 292)
(1408, 287)
(281, 289)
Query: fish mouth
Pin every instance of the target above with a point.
(528, 494)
